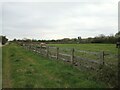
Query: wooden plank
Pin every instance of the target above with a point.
(88, 52)
(53, 56)
(52, 47)
(62, 59)
(87, 60)
(64, 54)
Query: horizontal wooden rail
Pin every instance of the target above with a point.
(69, 55)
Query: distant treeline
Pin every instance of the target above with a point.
(98, 39)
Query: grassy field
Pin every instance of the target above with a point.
(109, 49)
(90, 47)
(25, 69)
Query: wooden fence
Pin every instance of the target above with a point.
(78, 58)
(103, 64)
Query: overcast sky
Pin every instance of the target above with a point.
(57, 20)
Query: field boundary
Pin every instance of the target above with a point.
(78, 58)
(103, 64)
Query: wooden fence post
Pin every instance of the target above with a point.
(40, 50)
(36, 49)
(102, 57)
(72, 56)
(57, 53)
(26, 47)
(47, 51)
(29, 48)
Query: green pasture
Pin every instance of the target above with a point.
(25, 69)
(111, 48)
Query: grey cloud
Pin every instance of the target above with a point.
(52, 20)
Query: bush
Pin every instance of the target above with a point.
(3, 39)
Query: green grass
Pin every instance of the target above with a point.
(107, 48)
(90, 47)
(25, 69)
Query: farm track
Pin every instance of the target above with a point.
(6, 69)
(25, 69)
